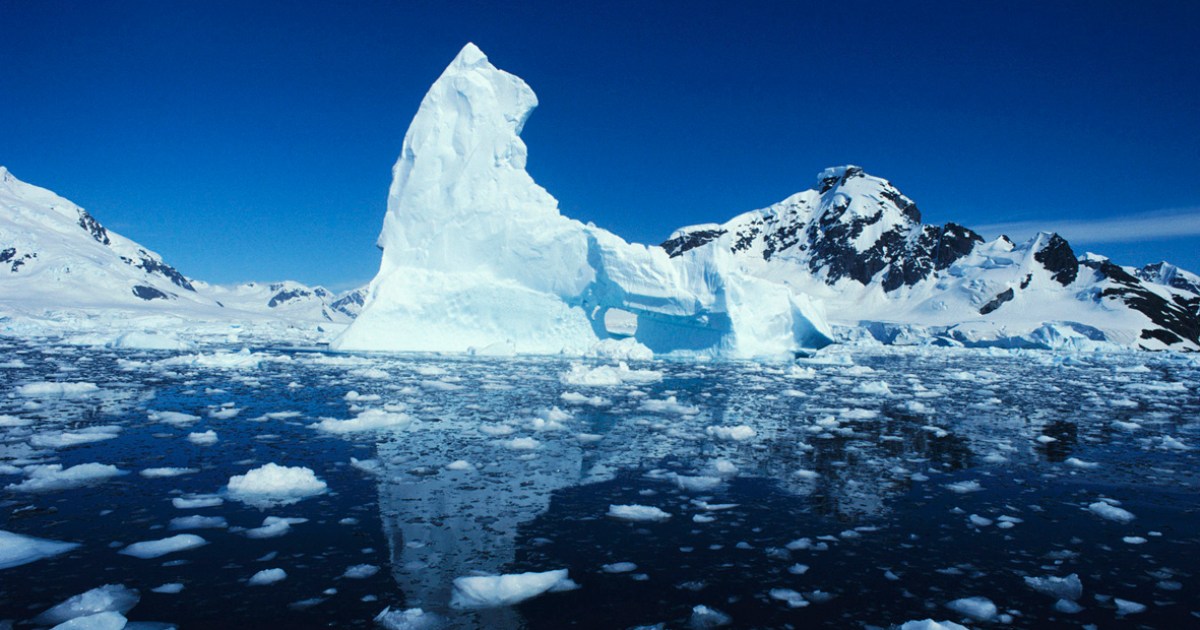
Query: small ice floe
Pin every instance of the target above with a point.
(877, 388)
(979, 521)
(1075, 462)
(739, 433)
(700, 483)
(522, 444)
(607, 375)
(170, 588)
(205, 438)
(964, 487)
(154, 548)
(369, 420)
(158, 473)
(644, 513)
(50, 477)
(491, 591)
(496, 429)
(360, 571)
(1133, 540)
(786, 595)
(977, 608)
(274, 527)
(175, 418)
(705, 617)
(224, 413)
(1067, 607)
(266, 576)
(411, 619)
(13, 421)
(929, 624)
(369, 466)
(111, 598)
(619, 567)
(272, 484)
(16, 549)
(1126, 426)
(196, 521)
(460, 464)
(46, 389)
(1068, 588)
(64, 439)
(670, 405)
(197, 501)
(1111, 512)
(1127, 607)
(575, 398)
(354, 396)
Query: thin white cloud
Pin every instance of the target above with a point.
(1147, 226)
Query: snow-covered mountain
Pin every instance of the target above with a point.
(60, 268)
(857, 244)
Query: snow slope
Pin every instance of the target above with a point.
(476, 255)
(62, 272)
(857, 244)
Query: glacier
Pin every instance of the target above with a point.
(478, 258)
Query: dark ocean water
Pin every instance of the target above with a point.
(863, 493)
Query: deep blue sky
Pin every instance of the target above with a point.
(254, 140)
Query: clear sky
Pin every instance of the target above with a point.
(254, 140)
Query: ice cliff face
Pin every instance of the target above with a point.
(857, 244)
(476, 255)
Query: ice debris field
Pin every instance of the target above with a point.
(894, 488)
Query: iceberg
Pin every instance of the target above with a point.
(476, 255)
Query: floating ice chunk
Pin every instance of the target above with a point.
(522, 444)
(705, 617)
(272, 484)
(354, 396)
(224, 413)
(575, 398)
(739, 433)
(628, 349)
(157, 473)
(1126, 607)
(98, 621)
(49, 477)
(619, 567)
(496, 430)
(170, 588)
(360, 571)
(1067, 606)
(242, 360)
(929, 624)
(669, 406)
(979, 521)
(197, 501)
(176, 418)
(697, 484)
(46, 389)
(963, 487)
(1069, 587)
(411, 619)
(878, 388)
(13, 421)
(266, 576)
(490, 591)
(460, 464)
(1075, 462)
(1046, 439)
(113, 598)
(64, 439)
(196, 521)
(273, 527)
(369, 420)
(1111, 512)
(16, 549)
(154, 548)
(1126, 426)
(370, 466)
(1134, 540)
(792, 598)
(205, 438)
(607, 375)
(977, 608)
(637, 513)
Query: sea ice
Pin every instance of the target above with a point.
(273, 527)
(170, 588)
(490, 591)
(64, 439)
(977, 608)
(48, 477)
(1111, 512)
(619, 567)
(206, 438)
(16, 549)
(156, 473)
(176, 418)
(963, 487)
(705, 617)
(1069, 587)
(197, 501)
(360, 571)
(607, 375)
(47, 389)
(113, 598)
(98, 621)
(154, 548)
(929, 624)
(266, 576)
(197, 522)
(739, 433)
(272, 484)
(411, 619)
(369, 420)
(637, 513)
(1127, 607)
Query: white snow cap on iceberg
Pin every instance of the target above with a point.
(476, 254)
